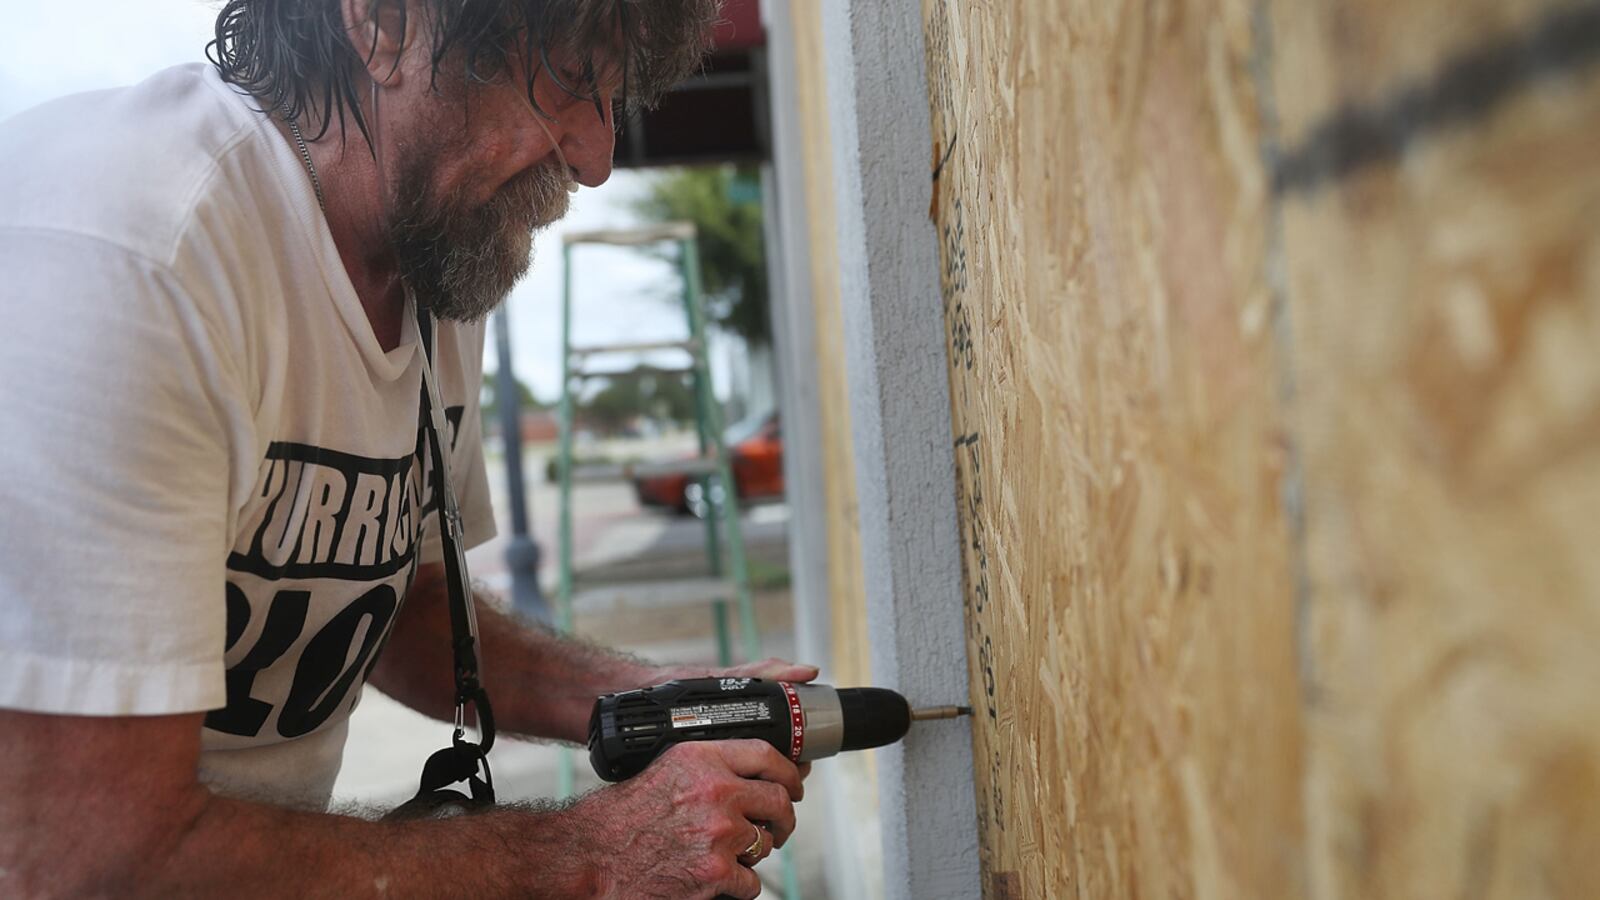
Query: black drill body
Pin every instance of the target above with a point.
(804, 722)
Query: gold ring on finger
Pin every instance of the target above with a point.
(754, 850)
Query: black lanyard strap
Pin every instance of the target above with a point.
(463, 759)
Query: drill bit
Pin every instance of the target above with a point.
(940, 712)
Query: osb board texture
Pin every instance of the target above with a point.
(1444, 307)
(846, 587)
(1163, 334)
(1102, 212)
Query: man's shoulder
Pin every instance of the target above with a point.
(126, 166)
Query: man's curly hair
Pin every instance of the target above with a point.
(295, 56)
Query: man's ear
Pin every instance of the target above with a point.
(379, 31)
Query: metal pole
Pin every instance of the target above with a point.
(566, 773)
(522, 554)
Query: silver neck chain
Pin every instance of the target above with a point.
(305, 156)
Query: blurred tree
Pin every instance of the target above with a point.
(671, 399)
(491, 408)
(724, 203)
(615, 405)
(644, 392)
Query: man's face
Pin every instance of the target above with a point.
(473, 175)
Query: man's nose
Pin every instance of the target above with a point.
(588, 142)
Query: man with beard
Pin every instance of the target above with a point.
(217, 525)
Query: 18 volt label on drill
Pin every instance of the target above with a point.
(734, 713)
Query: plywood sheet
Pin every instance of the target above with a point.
(1442, 260)
(1273, 335)
(1102, 211)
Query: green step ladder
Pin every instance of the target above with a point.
(711, 468)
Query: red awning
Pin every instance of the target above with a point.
(740, 28)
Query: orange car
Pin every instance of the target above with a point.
(755, 453)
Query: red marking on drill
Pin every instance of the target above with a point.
(797, 722)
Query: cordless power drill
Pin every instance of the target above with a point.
(803, 721)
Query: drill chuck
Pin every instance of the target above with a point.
(804, 722)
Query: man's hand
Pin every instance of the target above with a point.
(678, 829)
(770, 669)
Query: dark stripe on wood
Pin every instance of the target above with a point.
(1466, 89)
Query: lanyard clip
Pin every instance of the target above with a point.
(479, 699)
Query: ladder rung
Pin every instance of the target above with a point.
(599, 472)
(633, 237)
(647, 594)
(691, 345)
(630, 373)
(699, 466)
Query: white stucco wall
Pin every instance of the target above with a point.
(900, 410)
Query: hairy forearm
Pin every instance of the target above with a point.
(237, 848)
(541, 684)
(109, 807)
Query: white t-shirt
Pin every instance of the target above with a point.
(207, 489)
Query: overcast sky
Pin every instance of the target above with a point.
(51, 49)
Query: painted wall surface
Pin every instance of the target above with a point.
(851, 661)
(899, 413)
(848, 783)
(1272, 330)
